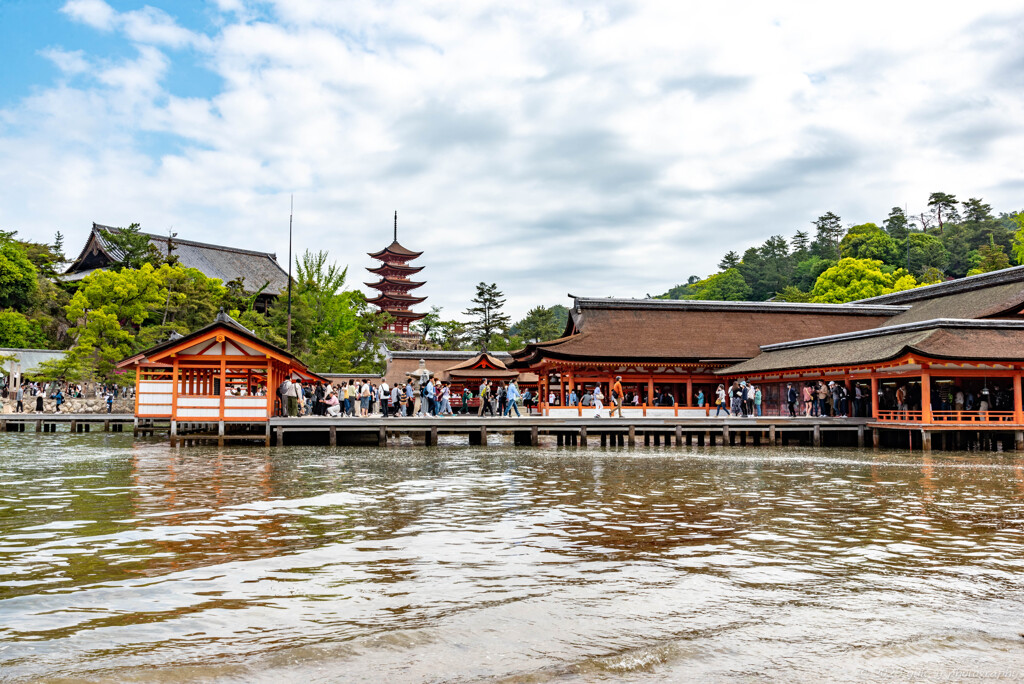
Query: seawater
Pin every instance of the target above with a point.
(124, 561)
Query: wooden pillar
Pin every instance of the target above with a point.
(771, 434)
(561, 387)
(650, 390)
(926, 439)
(1018, 401)
(926, 400)
(876, 438)
(433, 435)
(874, 398)
(333, 430)
(860, 436)
(583, 436)
(725, 435)
(280, 436)
(632, 436)
(1018, 440)
(39, 426)
(74, 426)
(689, 392)
(817, 435)
(483, 435)
(534, 436)
(604, 439)
(707, 438)
(679, 435)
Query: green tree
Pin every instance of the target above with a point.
(730, 260)
(807, 271)
(896, 224)
(801, 243)
(853, 279)
(449, 335)
(926, 251)
(541, 323)
(428, 323)
(976, 211)
(681, 291)
(868, 241)
(19, 332)
(991, 257)
(767, 269)
(725, 286)
(1016, 219)
(943, 206)
(17, 274)
(130, 248)
(828, 233)
(58, 246)
(486, 317)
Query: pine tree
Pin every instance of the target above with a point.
(486, 317)
(730, 260)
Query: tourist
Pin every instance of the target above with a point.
(551, 397)
(791, 397)
(467, 396)
(757, 402)
(837, 399)
(512, 397)
(617, 397)
(598, 403)
(410, 399)
(958, 400)
(748, 399)
(332, 407)
(901, 398)
(282, 390)
(820, 409)
(502, 397)
(984, 402)
(807, 394)
(528, 401)
(483, 393)
(700, 398)
(110, 402)
(573, 398)
(736, 398)
(720, 401)
(59, 398)
(19, 397)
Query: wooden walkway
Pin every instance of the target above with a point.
(74, 422)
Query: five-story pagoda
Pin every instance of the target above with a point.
(394, 284)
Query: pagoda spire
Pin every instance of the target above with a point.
(396, 225)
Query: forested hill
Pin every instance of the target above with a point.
(833, 263)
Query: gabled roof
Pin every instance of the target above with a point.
(483, 365)
(222, 322)
(691, 331)
(215, 261)
(1003, 276)
(396, 249)
(955, 339)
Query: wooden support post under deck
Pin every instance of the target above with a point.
(74, 426)
(679, 435)
(860, 436)
(583, 436)
(559, 440)
(632, 436)
(771, 434)
(333, 432)
(280, 436)
(876, 438)
(534, 436)
(220, 428)
(725, 436)
(483, 435)
(174, 432)
(1018, 440)
(926, 437)
(39, 426)
(106, 426)
(707, 438)
(817, 435)
(647, 438)
(433, 436)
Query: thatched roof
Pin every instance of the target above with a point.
(954, 339)
(688, 331)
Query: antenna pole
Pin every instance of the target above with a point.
(291, 212)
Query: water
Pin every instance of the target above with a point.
(122, 562)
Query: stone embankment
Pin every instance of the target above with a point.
(84, 405)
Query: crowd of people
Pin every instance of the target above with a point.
(35, 395)
(432, 398)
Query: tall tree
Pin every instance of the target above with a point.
(801, 242)
(17, 274)
(723, 287)
(976, 211)
(943, 205)
(828, 232)
(130, 248)
(896, 225)
(428, 323)
(486, 317)
(730, 260)
(541, 323)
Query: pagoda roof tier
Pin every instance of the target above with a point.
(407, 284)
(396, 298)
(402, 268)
(407, 315)
(395, 250)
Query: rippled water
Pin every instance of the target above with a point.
(127, 562)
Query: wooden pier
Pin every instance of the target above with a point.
(73, 422)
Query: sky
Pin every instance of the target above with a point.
(548, 146)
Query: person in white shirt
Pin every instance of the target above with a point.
(598, 401)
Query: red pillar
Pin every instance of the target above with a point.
(874, 398)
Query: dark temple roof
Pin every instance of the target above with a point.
(215, 261)
(396, 249)
(689, 331)
(959, 339)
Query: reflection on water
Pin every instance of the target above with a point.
(122, 561)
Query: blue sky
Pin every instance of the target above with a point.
(550, 146)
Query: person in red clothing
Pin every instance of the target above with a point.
(617, 396)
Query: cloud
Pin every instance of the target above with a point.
(546, 145)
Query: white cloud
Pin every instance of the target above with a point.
(95, 13)
(546, 146)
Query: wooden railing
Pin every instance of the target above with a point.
(897, 416)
